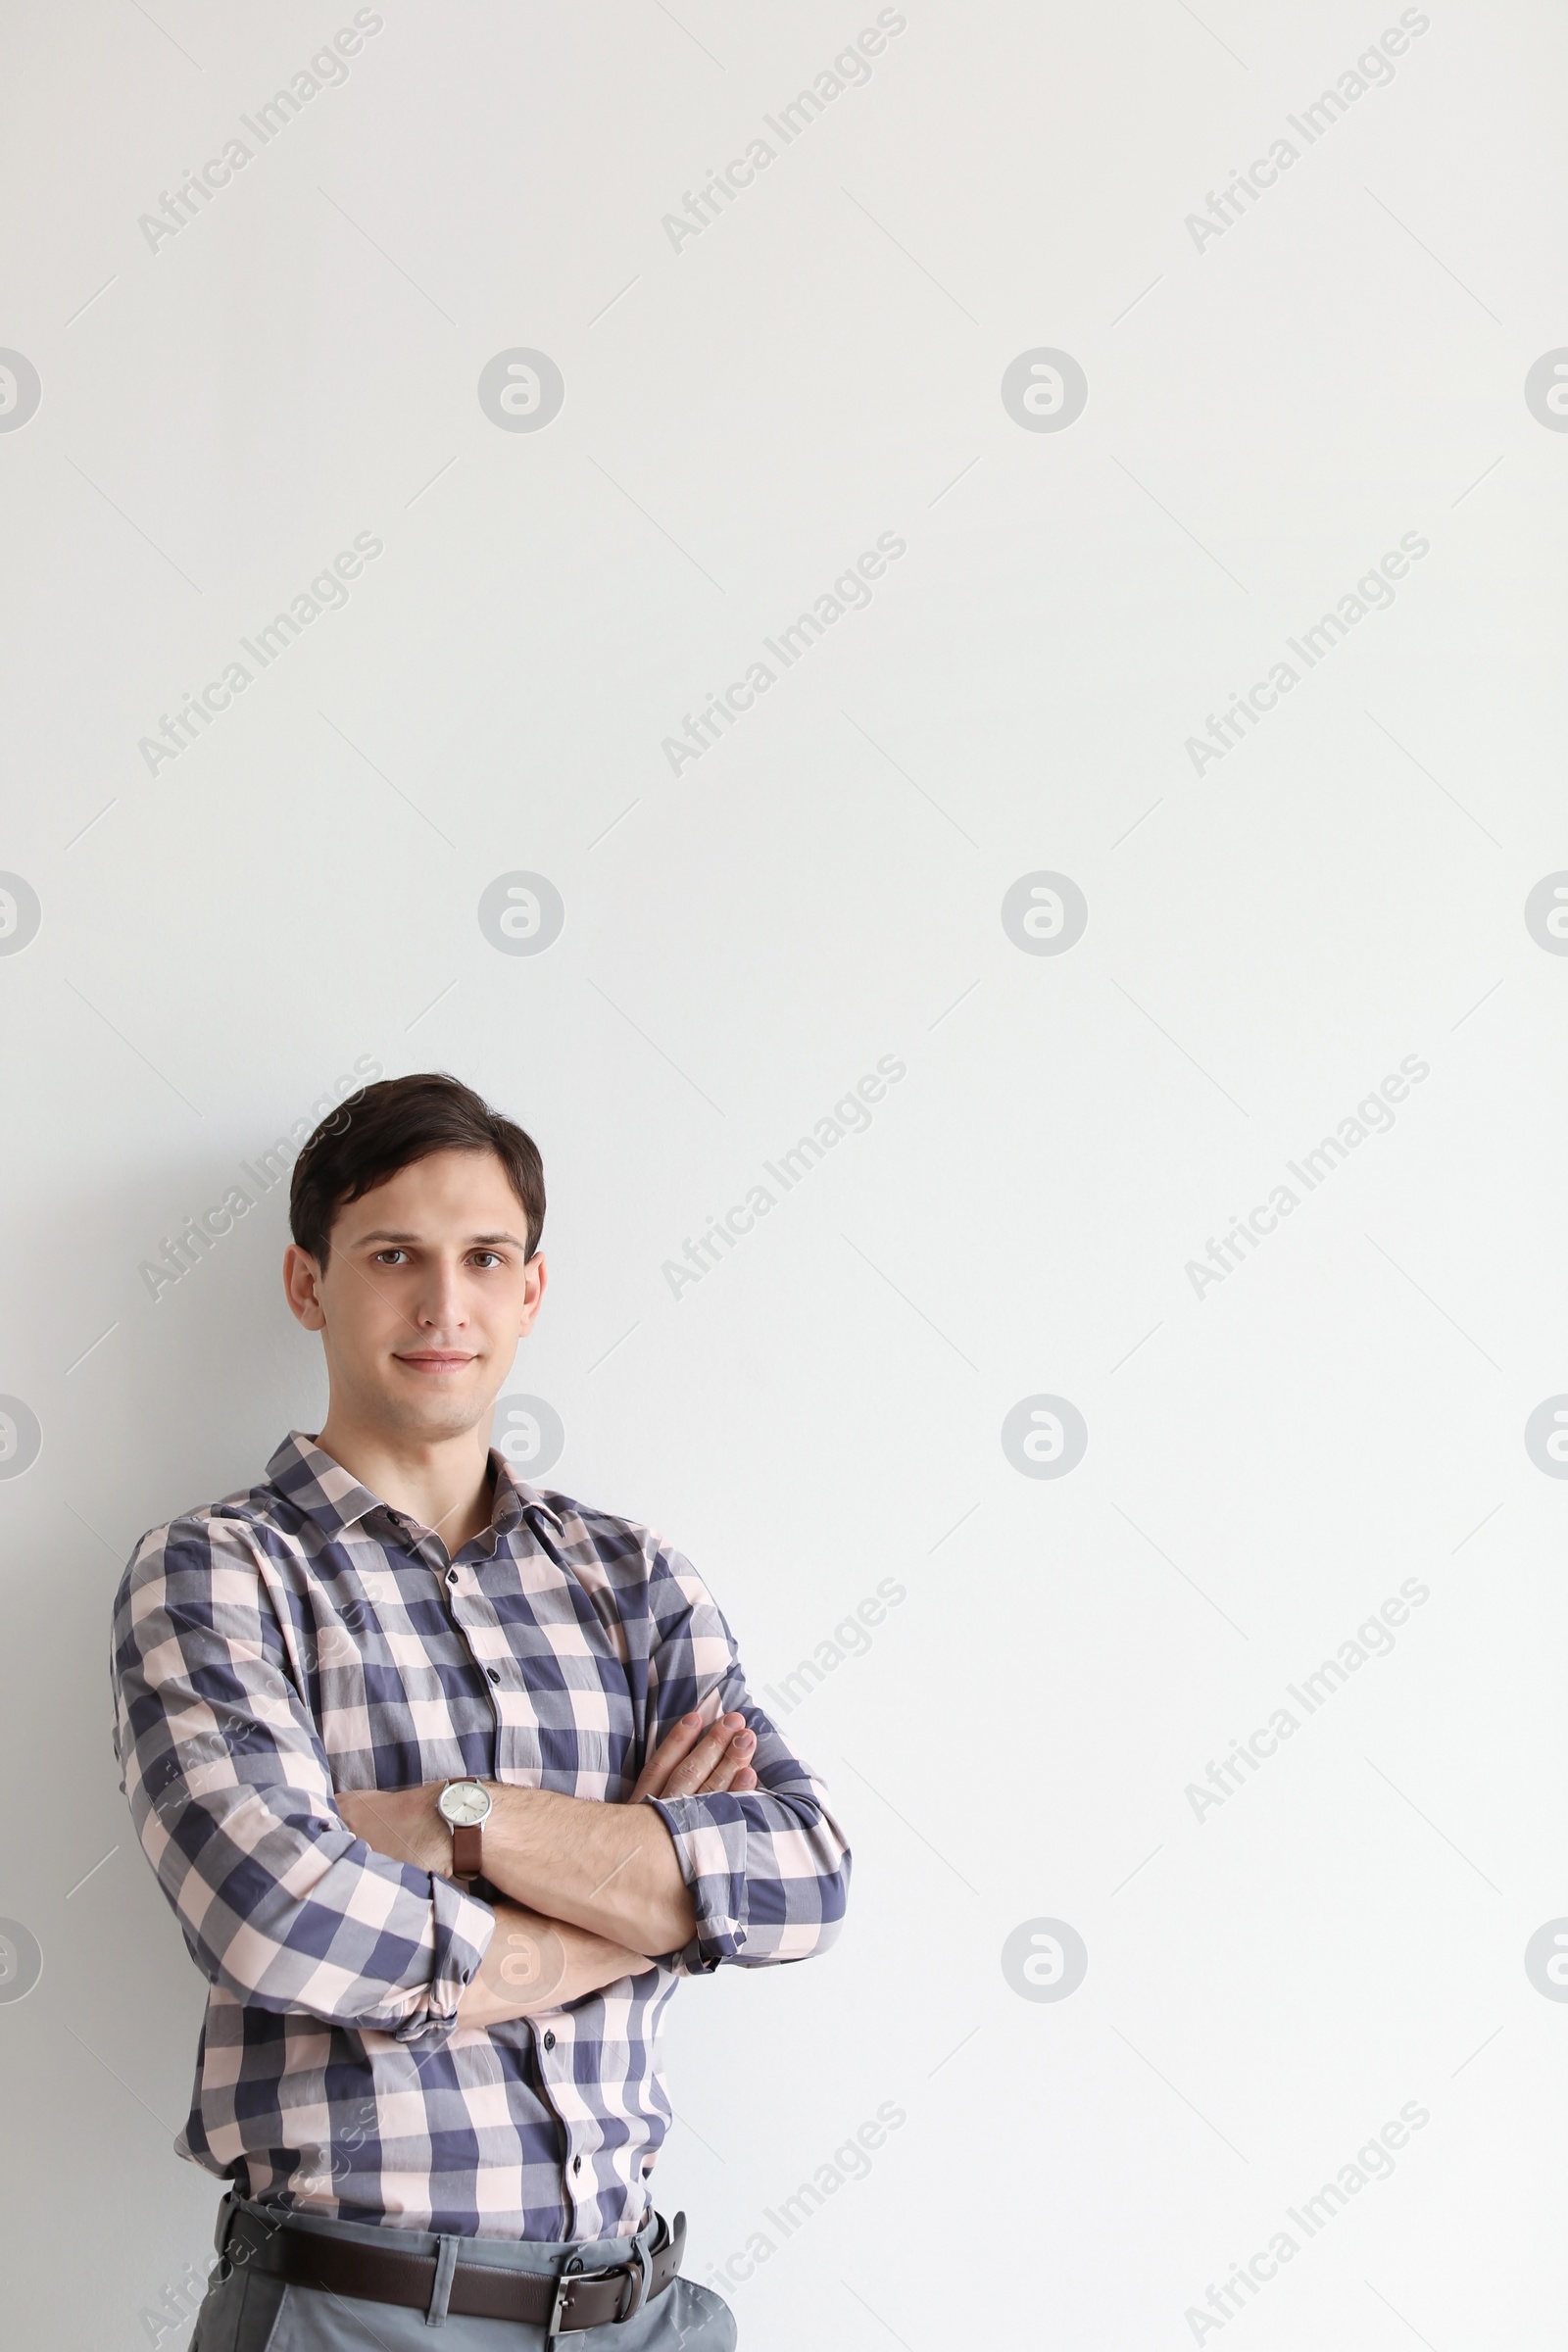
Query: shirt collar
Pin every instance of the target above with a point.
(336, 1500)
(515, 1495)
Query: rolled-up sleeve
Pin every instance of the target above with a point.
(233, 1798)
(768, 1872)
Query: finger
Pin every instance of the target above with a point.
(730, 1779)
(712, 1749)
(737, 1750)
(677, 1742)
(684, 1773)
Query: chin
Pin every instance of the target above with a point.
(438, 1416)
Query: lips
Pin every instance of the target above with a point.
(434, 1360)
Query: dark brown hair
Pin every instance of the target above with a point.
(389, 1126)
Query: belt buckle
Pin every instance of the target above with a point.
(558, 2302)
(567, 2279)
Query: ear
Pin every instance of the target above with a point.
(538, 1274)
(302, 1288)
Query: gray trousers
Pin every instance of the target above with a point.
(248, 2312)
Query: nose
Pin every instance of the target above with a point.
(441, 1308)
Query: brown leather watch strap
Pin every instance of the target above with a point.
(467, 1850)
(480, 2290)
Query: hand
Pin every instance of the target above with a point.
(535, 1965)
(691, 1762)
(402, 1824)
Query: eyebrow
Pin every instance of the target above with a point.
(475, 1240)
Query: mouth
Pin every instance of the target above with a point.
(435, 1359)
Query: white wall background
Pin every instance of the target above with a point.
(1266, 1463)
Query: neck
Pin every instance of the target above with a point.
(442, 1483)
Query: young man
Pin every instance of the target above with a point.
(448, 1781)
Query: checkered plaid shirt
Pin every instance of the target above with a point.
(303, 1639)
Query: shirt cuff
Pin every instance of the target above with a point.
(464, 1928)
(709, 1839)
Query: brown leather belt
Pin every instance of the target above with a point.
(574, 2298)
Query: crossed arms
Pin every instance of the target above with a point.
(595, 1889)
(303, 1899)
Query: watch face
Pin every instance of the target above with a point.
(464, 1804)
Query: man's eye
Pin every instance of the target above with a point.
(385, 1258)
(491, 1257)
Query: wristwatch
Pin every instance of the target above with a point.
(466, 1806)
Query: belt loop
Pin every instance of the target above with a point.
(227, 2208)
(446, 2262)
(645, 2261)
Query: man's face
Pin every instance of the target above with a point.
(426, 1289)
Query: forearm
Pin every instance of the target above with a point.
(612, 1870)
(534, 1964)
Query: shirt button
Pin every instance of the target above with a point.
(494, 1672)
(550, 2041)
(576, 2164)
(452, 1576)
